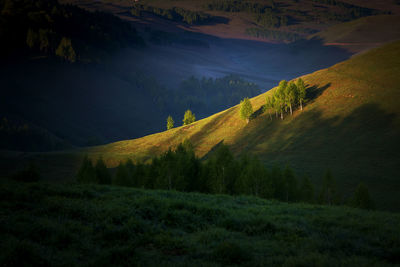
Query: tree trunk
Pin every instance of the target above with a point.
(291, 111)
(276, 113)
(301, 105)
(281, 115)
(270, 117)
(247, 121)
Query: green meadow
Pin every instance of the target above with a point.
(46, 224)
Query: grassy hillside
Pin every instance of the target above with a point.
(362, 34)
(54, 225)
(349, 125)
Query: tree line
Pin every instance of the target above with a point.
(264, 15)
(239, 6)
(175, 14)
(221, 173)
(274, 35)
(66, 31)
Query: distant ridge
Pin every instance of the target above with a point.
(362, 34)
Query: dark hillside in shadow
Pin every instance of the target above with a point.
(356, 148)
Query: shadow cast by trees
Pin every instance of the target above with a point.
(257, 113)
(313, 92)
(212, 150)
(363, 146)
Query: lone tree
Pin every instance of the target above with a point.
(31, 38)
(246, 109)
(189, 117)
(362, 198)
(170, 123)
(301, 92)
(66, 51)
(290, 96)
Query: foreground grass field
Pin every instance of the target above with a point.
(53, 225)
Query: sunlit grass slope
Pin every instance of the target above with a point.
(71, 225)
(361, 34)
(350, 125)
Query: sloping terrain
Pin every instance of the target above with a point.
(362, 34)
(71, 225)
(105, 94)
(349, 125)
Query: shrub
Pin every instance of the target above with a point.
(231, 253)
(29, 174)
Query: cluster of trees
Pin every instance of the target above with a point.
(269, 19)
(286, 97)
(212, 95)
(96, 174)
(265, 15)
(239, 6)
(47, 27)
(221, 173)
(174, 14)
(274, 35)
(205, 95)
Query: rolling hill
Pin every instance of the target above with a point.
(349, 125)
(362, 34)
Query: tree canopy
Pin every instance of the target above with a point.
(189, 117)
(362, 198)
(170, 123)
(246, 109)
(286, 97)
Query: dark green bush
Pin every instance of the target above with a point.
(29, 174)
